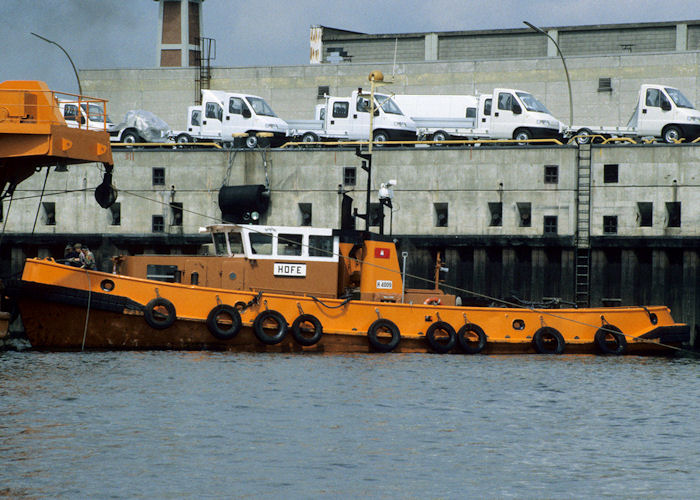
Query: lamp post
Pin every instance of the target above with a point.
(568, 80)
(80, 88)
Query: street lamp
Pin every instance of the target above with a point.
(568, 81)
(80, 88)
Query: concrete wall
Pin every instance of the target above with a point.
(466, 179)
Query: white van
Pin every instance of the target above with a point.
(226, 115)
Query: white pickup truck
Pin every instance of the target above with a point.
(503, 114)
(662, 112)
(348, 119)
(223, 116)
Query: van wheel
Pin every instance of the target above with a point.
(584, 136)
(672, 134)
(184, 139)
(522, 134)
(440, 136)
(251, 142)
(130, 137)
(381, 136)
(309, 137)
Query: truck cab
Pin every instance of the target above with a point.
(225, 115)
(665, 112)
(348, 117)
(82, 114)
(516, 114)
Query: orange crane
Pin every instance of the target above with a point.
(34, 134)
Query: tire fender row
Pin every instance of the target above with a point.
(270, 327)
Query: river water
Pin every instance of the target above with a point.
(225, 425)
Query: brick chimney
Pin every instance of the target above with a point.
(180, 26)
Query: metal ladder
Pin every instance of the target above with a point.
(203, 57)
(583, 226)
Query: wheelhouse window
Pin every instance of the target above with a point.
(220, 243)
(289, 244)
(261, 243)
(320, 246)
(235, 241)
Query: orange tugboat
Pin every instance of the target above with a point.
(284, 289)
(276, 289)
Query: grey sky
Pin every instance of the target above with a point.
(122, 33)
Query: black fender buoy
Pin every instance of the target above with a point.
(261, 327)
(470, 346)
(218, 322)
(307, 330)
(445, 341)
(610, 340)
(383, 326)
(548, 340)
(159, 313)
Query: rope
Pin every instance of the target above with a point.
(331, 307)
(87, 313)
(7, 215)
(48, 169)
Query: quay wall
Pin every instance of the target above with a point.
(505, 219)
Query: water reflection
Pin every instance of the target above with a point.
(217, 424)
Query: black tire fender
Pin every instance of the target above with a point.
(602, 336)
(387, 326)
(548, 340)
(299, 332)
(155, 318)
(464, 342)
(440, 345)
(260, 329)
(216, 329)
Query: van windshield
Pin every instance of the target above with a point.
(96, 113)
(531, 103)
(678, 97)
(260, 106)
(387, 104)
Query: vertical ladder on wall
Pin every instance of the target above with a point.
(205, 53)
(583, 226)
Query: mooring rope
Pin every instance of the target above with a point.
(87, 312)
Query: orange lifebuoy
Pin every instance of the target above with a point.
(432, 301)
